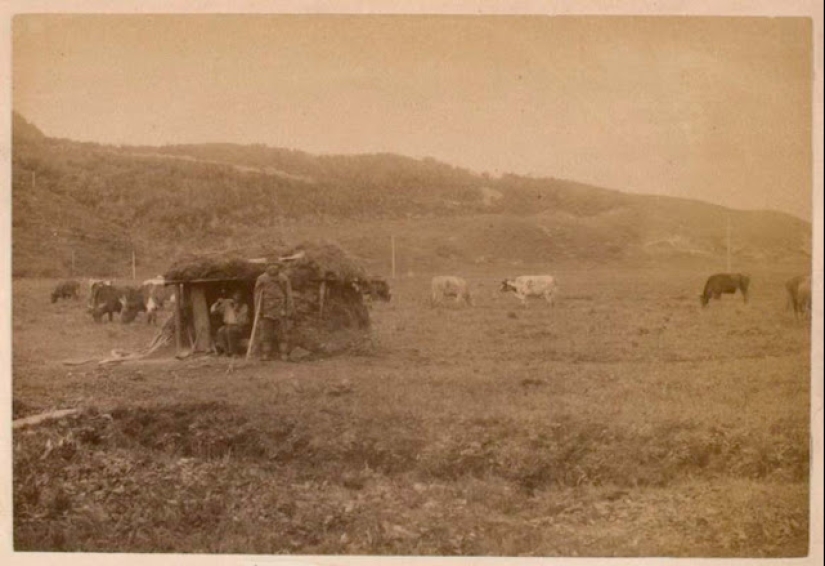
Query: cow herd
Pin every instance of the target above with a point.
(526, 287)
(106, 299)
(797, 290)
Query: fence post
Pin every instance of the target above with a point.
(392, 246)
(728, 243)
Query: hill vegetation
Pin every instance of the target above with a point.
(100, 202)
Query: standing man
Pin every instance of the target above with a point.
(274, 290)
(235, 315)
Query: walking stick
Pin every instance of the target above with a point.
(254, 323)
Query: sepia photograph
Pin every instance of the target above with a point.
(419, 284)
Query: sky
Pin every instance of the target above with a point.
(709, 108)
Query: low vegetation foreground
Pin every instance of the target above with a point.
(625, 420)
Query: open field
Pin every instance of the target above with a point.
(624, 421)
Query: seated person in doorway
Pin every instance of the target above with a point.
(236, 322)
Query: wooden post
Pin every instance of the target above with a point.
(33, 179)
(251, 347)
(134, 275)
(728, 243)
(322, 293)
(392, 245)
(72, 263)
(178, 319)
(200, 318)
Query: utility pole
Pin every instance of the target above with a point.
(34, 176)
(728, 243)
(134, 275)
(72, 263)
(392, 245)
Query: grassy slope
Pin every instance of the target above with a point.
(624, 421)
(103, 201)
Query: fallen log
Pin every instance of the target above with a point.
(37, 419)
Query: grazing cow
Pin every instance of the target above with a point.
(105, 301)
(444, 286)
(531, 286)
(374, 288)
(66, 290)
(803, 297)
(727, 283)
(132, 303)
(94, 286)
(799, 294)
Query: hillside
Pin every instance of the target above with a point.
(101, 202)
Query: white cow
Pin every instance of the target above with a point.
(450, 286)
(155, 294)
(531, 286)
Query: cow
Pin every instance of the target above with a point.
(105, 301)
(132, 302)
(799, 294)
(727, 283)
(531, 286)
(450, 286)
(155, 296)
(94, 286)
(66, 290)
(374, 288)
(804, 295)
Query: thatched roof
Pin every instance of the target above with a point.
(324, 261)
(195, 268)
(308, 261)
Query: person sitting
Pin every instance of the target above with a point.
(235, 317)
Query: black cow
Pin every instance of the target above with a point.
(105, 301)
(727, 283)
(379, 289)
(374, 288)
(66, 290)
(133, 302)
(94, 286)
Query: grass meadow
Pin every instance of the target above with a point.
(624, 421)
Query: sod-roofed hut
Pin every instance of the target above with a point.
(329, 311)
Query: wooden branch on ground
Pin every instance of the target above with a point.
(37, 419)
(79, 362)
